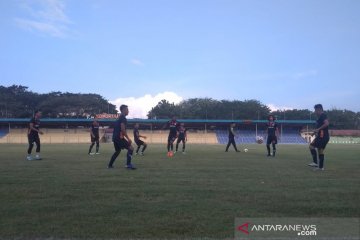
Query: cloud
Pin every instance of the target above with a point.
(47, 28)
(45, 16)
(136, 62)
(273, 107)
(139, 107)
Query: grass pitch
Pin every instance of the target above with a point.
(72, 195)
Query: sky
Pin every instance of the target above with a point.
(288, 54)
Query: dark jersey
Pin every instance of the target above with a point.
(95, 129)
(136, 135)
(182, 132)
(117, 134)
(324, 133)
(173, 125)
(231, 132)
(36, 125)
(272, 127)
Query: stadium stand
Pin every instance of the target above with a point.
(249, 136)
(161, 136)
(50, 136)
(3, 132)
(289, 136)
(199, 131)
(345, 140)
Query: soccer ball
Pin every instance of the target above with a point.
(246, 150)
(170, 154)
(259, 139)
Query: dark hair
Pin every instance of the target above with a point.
(122, 107)
(271, 116)
(318, 106)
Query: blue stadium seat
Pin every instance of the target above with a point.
(3, 132)
(249, 136)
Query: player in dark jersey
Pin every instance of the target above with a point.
(121, 139)
(231, 138)
(272, 135)
(138, 141)
(94, 136)
(322, 138)
(33, 136)
(173, 125)
(182, 137)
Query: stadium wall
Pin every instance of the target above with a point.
(201, 131)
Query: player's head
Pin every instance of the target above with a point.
(318, 109)
(182, 124)
(173, 118)
(271, 117)
(136, 126)
(232, 124)
(37, 114)
(124, 110)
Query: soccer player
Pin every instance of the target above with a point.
(272, 135)
(182, 137)
(173, 125)
(94, 135)
(138, 141)
(322, 138)
(33, 136)
(121, 139)
(231, 138)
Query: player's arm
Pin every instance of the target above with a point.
(124, 133)
(34, 129)
(140, 136)
(91, 132)
(185, 133)
(326, 124)
(232, 131)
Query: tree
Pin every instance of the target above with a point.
(16, 101)
(164, 109)
(208, 108)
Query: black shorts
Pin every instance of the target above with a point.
(181, 139)
(121, 144)
(271, 139)
(320, 142)
(33, 138)
(139, 142)
(171, 138)
(94, 139)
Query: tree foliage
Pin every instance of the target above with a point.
(17, 101)
(208, 108)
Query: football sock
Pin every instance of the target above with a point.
(91, 146)
(321, 160)
(113, 157)
(128, 157)
(314, 155)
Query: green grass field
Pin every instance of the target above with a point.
(72, 195)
